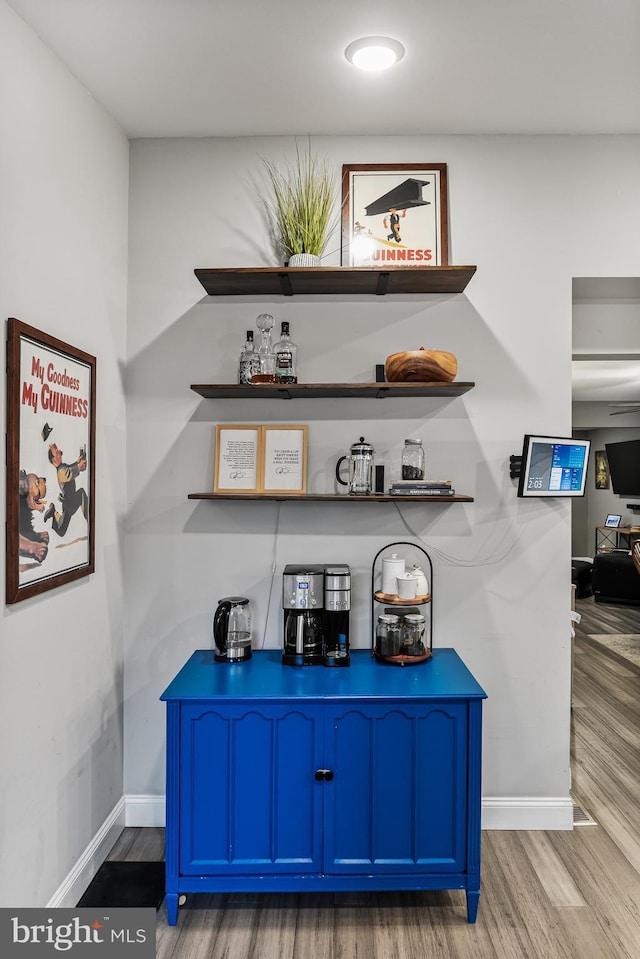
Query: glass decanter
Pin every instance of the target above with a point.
(266, 352)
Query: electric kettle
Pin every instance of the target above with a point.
(232, 630)
(360, 459)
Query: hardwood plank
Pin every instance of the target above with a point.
(136, 844)
(555, 879)
(204, 921)
(353, 931)
(275, 929)
(314, 927)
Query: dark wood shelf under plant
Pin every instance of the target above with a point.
(323, 280)
(289, 391)
(332, 497)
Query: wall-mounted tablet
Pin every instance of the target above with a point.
(553, 466)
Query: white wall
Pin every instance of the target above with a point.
(529, 213)
(606, 326)
(63, 254)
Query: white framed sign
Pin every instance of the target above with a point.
(284, 459)
(237, 458)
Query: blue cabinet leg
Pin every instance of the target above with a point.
(171, 899)
(472, 905)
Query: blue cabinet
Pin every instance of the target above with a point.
(284, 779)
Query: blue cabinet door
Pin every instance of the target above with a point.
(249, 801)
(398, 800)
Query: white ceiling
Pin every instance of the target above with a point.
(169, 68)
(607, 381)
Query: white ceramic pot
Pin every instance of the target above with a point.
(406, 586)
(303, 259)
(392, 567)
(422, 586)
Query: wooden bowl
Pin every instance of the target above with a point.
(421, 366)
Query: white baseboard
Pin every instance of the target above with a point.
(528, 812)
(144, 810)
(503, 812)
(72, 887)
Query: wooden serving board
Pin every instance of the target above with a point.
(396, 601)
(401, 660)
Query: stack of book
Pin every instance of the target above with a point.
(421, 488)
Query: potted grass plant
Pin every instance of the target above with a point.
(302, 207)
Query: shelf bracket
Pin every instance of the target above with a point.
(383, 283)
(285, 284)
(284, 394)
(382, 392)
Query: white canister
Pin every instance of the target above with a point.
(406, 586)
(422, 586)
(392, 567)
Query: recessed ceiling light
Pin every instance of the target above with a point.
(374, 53)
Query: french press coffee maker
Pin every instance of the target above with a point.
(360, 460)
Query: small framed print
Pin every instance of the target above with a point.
(284, 459)
(602, 477)
(237, 459)
(395, 215)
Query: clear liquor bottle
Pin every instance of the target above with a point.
(249, 360)
(286, 356)
(266, 354)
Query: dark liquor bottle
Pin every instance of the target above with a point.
(286, 356)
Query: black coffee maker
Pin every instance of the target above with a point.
(316, 602)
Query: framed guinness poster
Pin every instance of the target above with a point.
(395, 215)
(51, 432)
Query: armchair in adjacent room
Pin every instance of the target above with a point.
(615, 576)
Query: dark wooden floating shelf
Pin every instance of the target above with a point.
(333, 497)
(281, 391)
(324, 280)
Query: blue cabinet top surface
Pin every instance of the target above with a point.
(444, 676)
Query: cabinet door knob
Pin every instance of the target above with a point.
(324, 775)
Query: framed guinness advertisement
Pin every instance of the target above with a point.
(51, 433)
(395, 215)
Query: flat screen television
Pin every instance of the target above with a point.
(624, 467)
(553, 466)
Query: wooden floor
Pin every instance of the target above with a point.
(545, 895)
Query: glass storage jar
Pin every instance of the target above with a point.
(388, 635)
(412, 638)
(412, 460)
